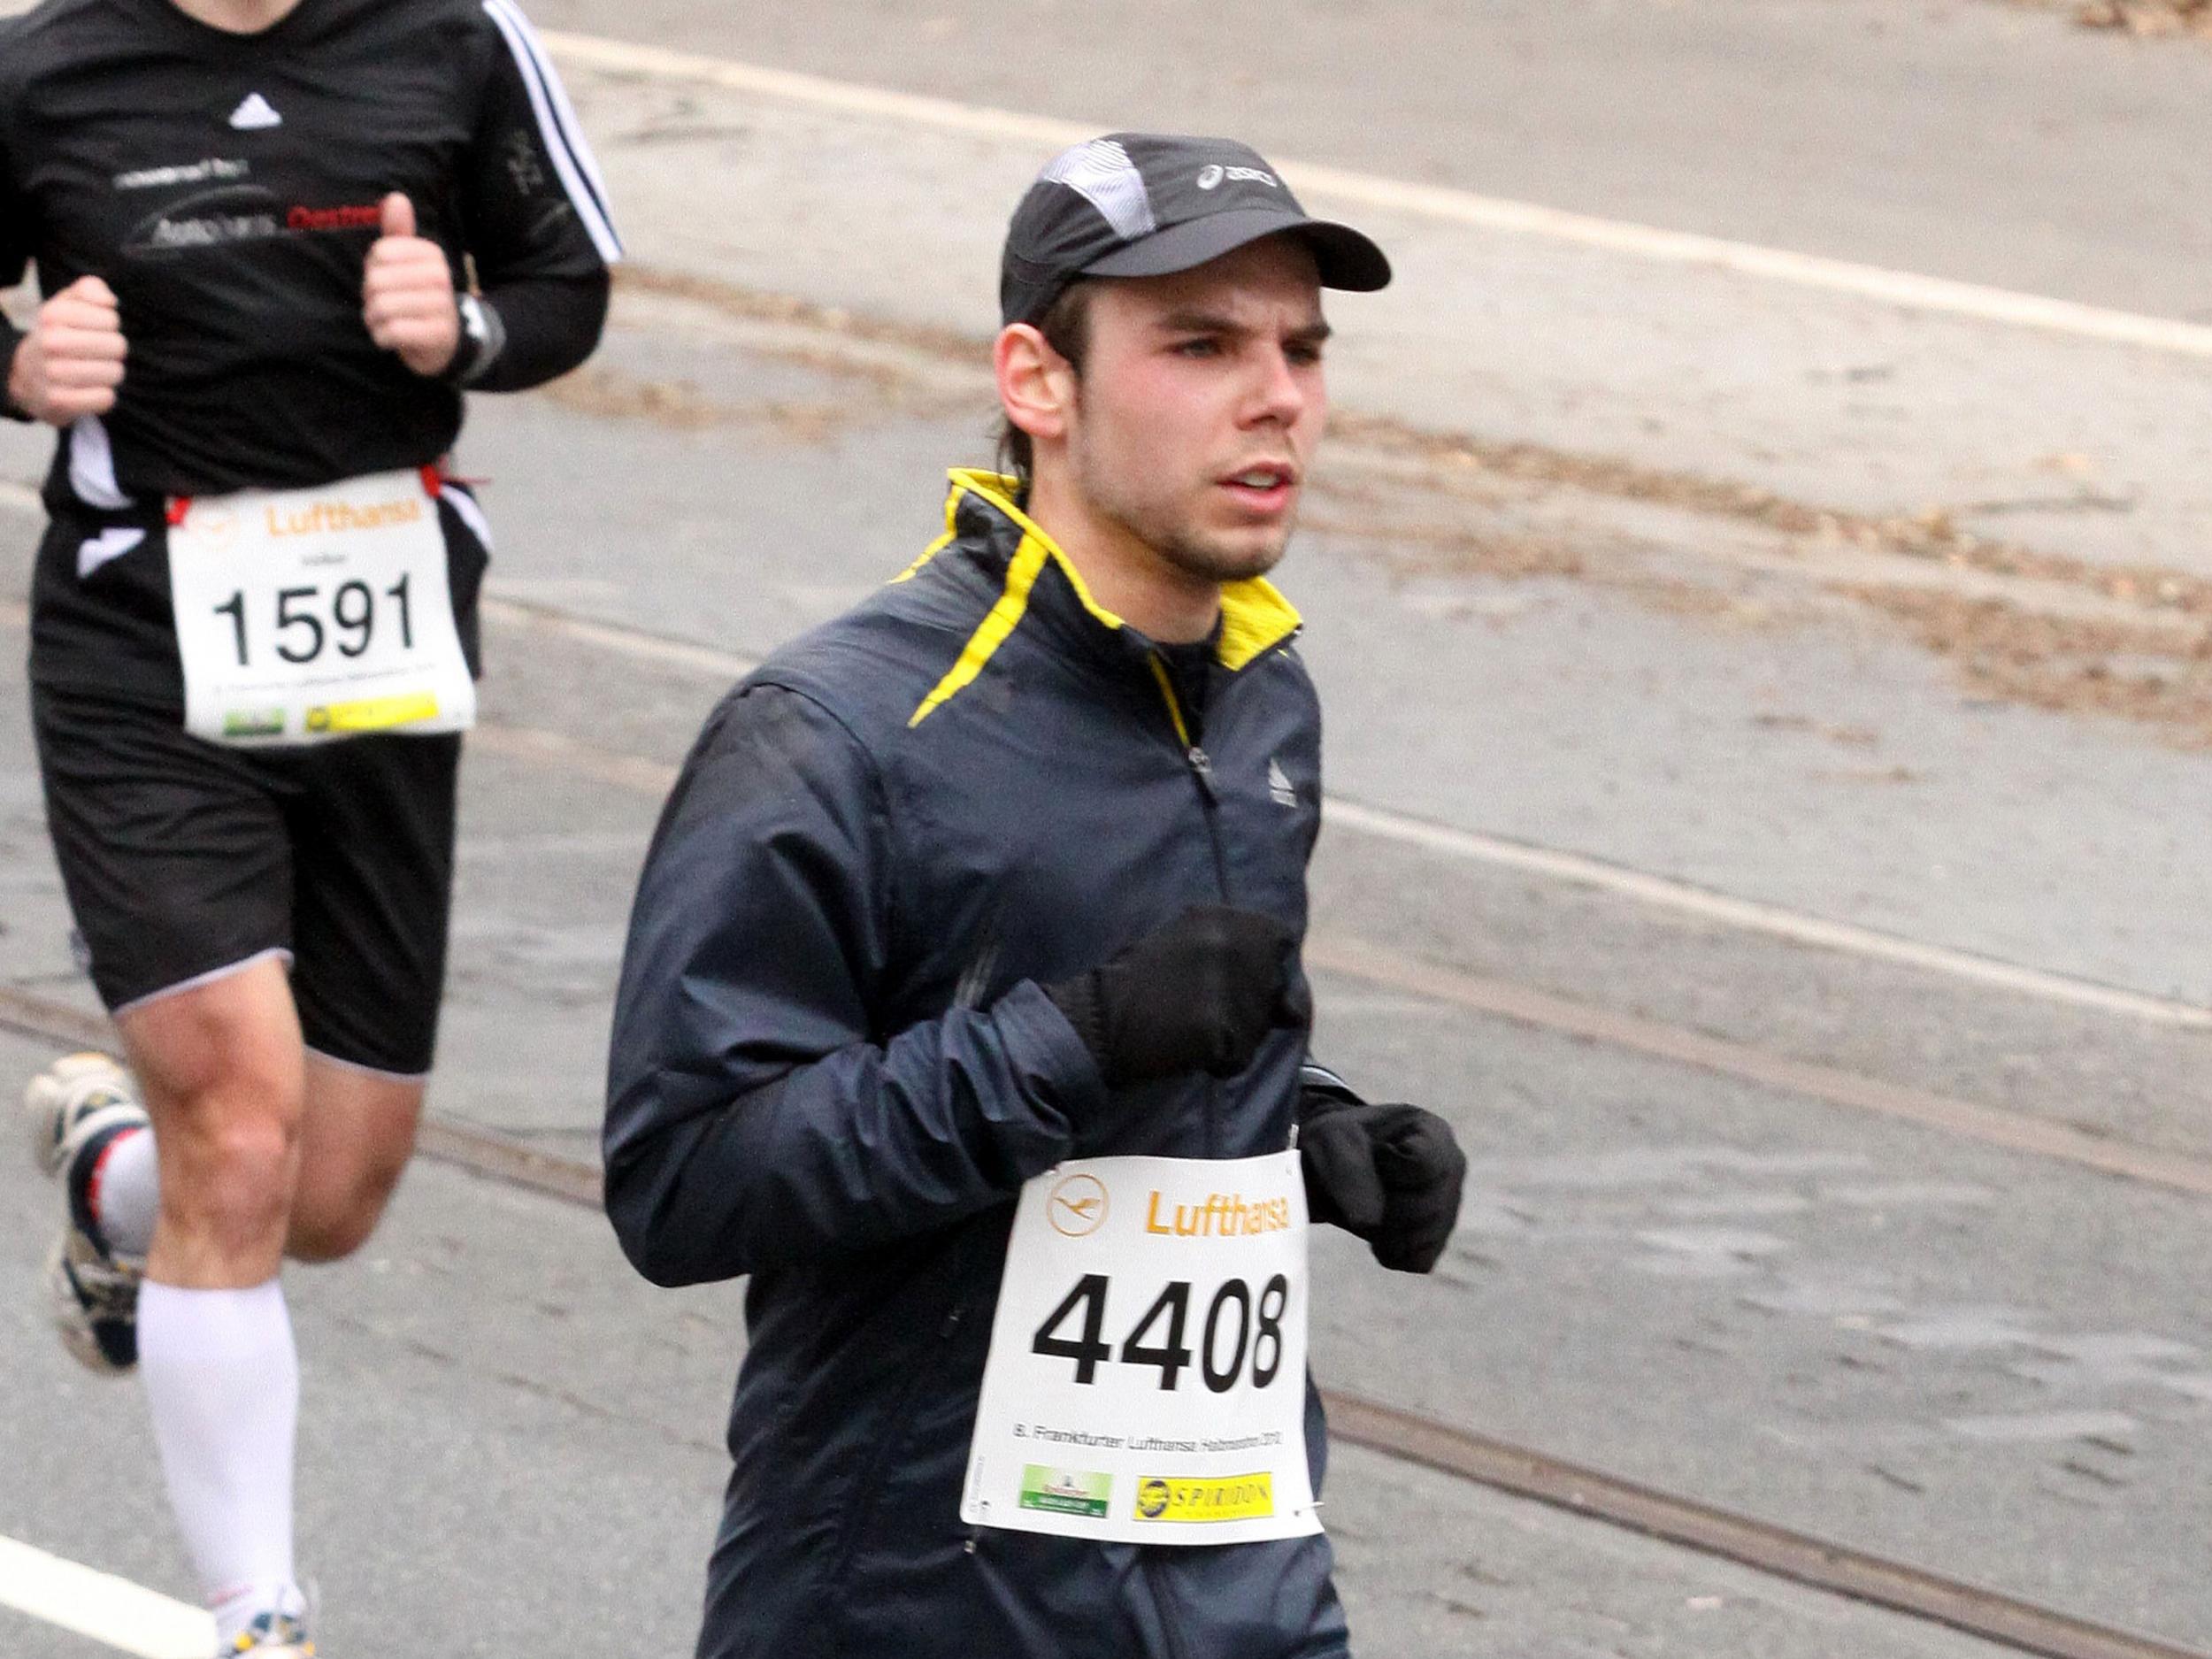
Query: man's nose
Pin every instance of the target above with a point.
(1280, 393)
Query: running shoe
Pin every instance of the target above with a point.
(272, 1636)
(79, 1099)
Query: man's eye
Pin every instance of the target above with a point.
(1200, 348)
(1304, 355)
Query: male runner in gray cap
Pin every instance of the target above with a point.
(962, 1007)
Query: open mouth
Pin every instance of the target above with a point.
(1265, 487)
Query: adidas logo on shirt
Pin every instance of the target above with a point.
(255, 112)
(1278, 785)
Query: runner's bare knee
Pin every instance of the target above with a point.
(228, 1165)
(222, 1070)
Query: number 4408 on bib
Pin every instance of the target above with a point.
(1147, 1374)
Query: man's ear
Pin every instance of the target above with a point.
(1036, 385)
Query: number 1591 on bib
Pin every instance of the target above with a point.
(304, 615)
(304, 621)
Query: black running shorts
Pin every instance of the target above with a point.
(183, 858)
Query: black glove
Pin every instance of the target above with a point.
(1389, 1174)
(1199, 995)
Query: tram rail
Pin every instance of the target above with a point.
(1410, 1437)
(2009, 1620)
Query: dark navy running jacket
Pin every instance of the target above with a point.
(832, 1070)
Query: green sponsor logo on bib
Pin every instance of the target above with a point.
(253, 722)
(1066, 1491)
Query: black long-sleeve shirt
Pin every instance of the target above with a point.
(226, 187)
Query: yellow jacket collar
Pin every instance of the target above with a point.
(1255, 616)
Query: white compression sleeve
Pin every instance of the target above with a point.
(222, 1381)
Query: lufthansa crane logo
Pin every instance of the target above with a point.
(1077, 1206)
(218, 526)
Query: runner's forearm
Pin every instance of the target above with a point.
(755, 1114)
(532, 330)
(856, 1150)
(11, 340)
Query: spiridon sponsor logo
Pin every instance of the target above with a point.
(330, 515)
(1214, 1498)
(1066, 1491)
(374, 714)
(1223, 1216)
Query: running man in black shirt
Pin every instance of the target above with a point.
(276, 239)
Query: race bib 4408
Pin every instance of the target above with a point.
(308, 614)
(1147, 1376)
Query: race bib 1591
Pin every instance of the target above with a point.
(308, 614)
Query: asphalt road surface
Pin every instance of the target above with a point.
(1725, 675)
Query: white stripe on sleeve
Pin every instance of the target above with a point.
(564, 111)
(558, 127)
(470, 512)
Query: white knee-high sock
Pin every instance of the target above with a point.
(222, 1383)
(119, 1187)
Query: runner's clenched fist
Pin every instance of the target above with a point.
(71, 360)
(407, 297)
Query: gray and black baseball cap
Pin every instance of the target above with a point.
(1148, 204)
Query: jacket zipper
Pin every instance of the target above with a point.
(1201, 771)
(1202, 768)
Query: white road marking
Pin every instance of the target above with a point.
(1750, 916)
(124, 1616)
(624, 642)
(1904, 289)
(1745, 915)
(2041, 1427)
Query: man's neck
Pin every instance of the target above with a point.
(1125, 575)
(237, 16)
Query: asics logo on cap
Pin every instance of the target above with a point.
(1210, 177)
